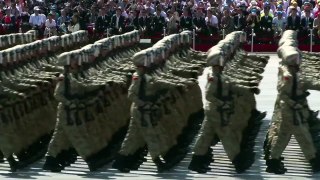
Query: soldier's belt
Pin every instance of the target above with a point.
(301, 97)
(150, 98)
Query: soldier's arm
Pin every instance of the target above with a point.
(244, 88)
(163, 84)
(88, 86)
(59, 92)
(312, 84)
(210, 95)
(18, 86)
(12, 93)
(133, 90)
(52, 68)
(283, 90)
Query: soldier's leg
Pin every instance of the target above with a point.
(229, 141)
(205, 137)
(302, 135)
(59, 141)
(280, 142)
(133, 140)
(79, 138)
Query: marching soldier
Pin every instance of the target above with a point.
(290, 116)
(219, 116)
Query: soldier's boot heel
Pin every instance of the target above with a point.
(275, 166)
(199, 164)
(52, 164)
(14, 165)
(315, 164)
(120, 163)
(1, 157)
(243, 161)
(62, 158)
(161, 166)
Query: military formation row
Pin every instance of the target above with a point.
(29, 74)
(112, 100)
(10, 40)
(166, 109)
(87, 109)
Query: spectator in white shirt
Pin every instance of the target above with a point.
(74, 26)
(279, 24)
(212, 22)
(51, 26)
(36, 19)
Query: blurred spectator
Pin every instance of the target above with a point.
(24, 19)
(36, 20)
(212, 23)
(294, 5)
(63, 21)
(316, 24)
(307, 6)
(240, 18)
(14, 10)
(266, 22)
(186, 20)
(173, 22)
(149, 6)
(145, 22)
(199, 22)
(117, 22)
(279, 24)
(306, 22)
(9, 21)
(158, 22)
(74, 25)
(162, 13)
(280, 8)
(94, 14)
(51, 26)
(293, 21)
(253, 21)
(132, 22)
(227, 22)
(102, 23)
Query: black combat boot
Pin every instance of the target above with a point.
(52, 164)
(275, 166)
(14, 165)
(120, 163)
(243, 161)
(315, 163)
(63, 158)
(1, 157)
(199, 164)
(161, 166)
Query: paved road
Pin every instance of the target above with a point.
(221, 168)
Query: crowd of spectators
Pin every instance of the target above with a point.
(208, 18)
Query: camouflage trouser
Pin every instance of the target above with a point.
(211, 126)
(138, 135)
(243, 109)
(59, 140)
(133, 140)
(77, 134)
(66, 134)
(286, 129)
(8, 139)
